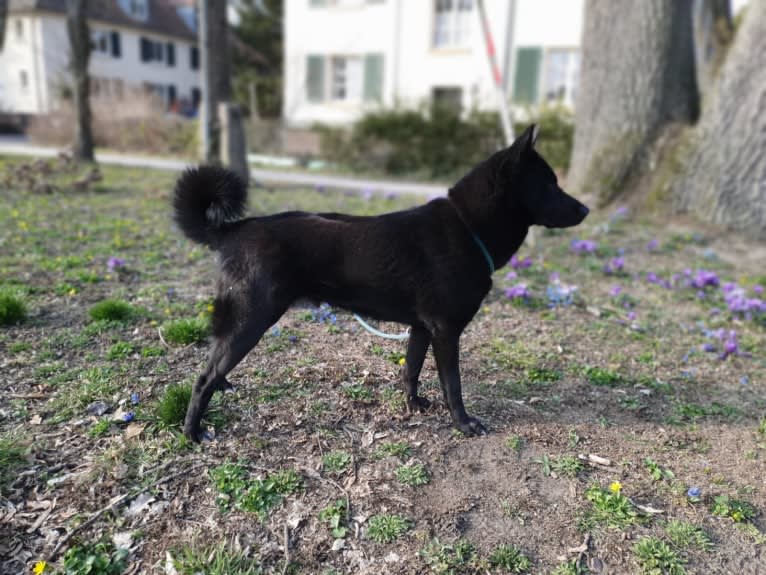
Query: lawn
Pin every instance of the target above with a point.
(620, 367)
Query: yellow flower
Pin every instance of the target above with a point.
(40, 567)
(615, 487)
(737, 516)
(402, 361)
(72, 291)
(24, 226)
(210, 308)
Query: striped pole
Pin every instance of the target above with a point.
(505, 116)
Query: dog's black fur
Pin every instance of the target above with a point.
(422, 267)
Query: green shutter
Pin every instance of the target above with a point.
(315, 78)
(527, 76)
(373, 77)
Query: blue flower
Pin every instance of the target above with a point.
(128, 417)
(134, 398)
(694, 492)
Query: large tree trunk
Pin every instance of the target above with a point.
(723, 164)
(713, 30)
(637, 77)
(80, 47)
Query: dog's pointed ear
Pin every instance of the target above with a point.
(528, 139)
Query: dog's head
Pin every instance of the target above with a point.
(525, 181)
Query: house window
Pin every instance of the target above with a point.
(562, 68)
(452, 23)
(99, 40)
(344, 78)
(24, 80)
(19, 29)
(347, 78)
(194, 57)
(170, 50)
(526, 77)
(138, 9)
(152, 51)
(116, 45)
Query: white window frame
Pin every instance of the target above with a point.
(452, 23)
(19, 28)
(100, 41)
(570, 75)
(350, 94)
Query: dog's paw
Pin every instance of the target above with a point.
(194, 433)
(471, 426)
(417, 404)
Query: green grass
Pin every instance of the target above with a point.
(100, 428)
(220, 559)
(186, 331)
(400, 449)
(603, 377)
(683, 535)
(12, 457)
(13, 310)
(413, 475)
(112, 310)
(336, 462)
(510, 558)
(451, 559)
(567, 466)
(386, 528)
(610, 509)
(171, 409)
(335, 516)
(236, 489)
(119, 350)
(571, 567)
(358, 393)
(655, 557)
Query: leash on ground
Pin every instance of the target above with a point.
(400, 336)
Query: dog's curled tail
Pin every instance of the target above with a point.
(205, 199)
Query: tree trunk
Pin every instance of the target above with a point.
(3, 18)
(637, 77)
(216, 68)
(712, 35)
(723, 177)
(80, 46)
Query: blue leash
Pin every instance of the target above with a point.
(404, 335)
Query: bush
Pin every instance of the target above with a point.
(437, 142)
(112, 310)
(12, 308)
(186, 331)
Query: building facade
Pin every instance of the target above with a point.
(344, 57)
(137, 45)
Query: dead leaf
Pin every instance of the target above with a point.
(134, 430)
(36, 419)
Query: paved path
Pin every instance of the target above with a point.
(18, 147)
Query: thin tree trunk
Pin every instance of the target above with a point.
(637, 77)
(3, 19)
(218, 77)
(723, 165)
(80, 47)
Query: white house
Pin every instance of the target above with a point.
(343, 57)
(149, 44)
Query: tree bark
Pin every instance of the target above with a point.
(723, 165)
(80, 47)
(216, 68)
(3, 19)
(637, 77)
(713, 32)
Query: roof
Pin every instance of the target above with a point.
(163, 16)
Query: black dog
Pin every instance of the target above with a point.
(429, 267)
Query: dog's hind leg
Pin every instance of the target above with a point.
(446, 350)
(228, 350)
(417, 347)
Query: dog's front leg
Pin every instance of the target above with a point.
(417, 347)
(446, 351)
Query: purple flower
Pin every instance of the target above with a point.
(519, 291)
(583, 246)
(758, 289)
(694, 492)
(615, 290)
(730, 345)
(560, 294)
(619, 213)
(616, 265)
(518, 264)
(511, 275)
(114, 263)
(652, 278)
(705, 278)
(292, 338)
(631, 315)
(652, 245)
(708, 347)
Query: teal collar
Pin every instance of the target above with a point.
(484, 251)
(476, 239)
